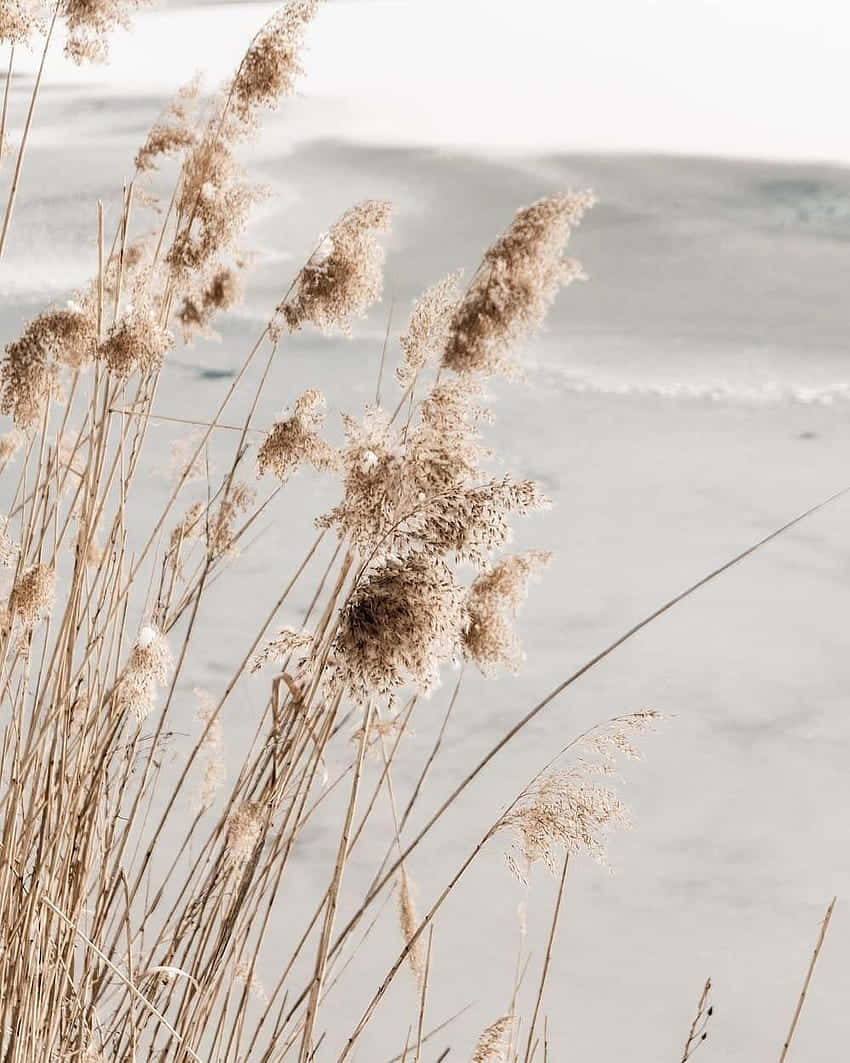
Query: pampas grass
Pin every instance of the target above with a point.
(138, 890)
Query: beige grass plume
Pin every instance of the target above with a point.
(9, 549)
(567, 809)
(89, 23)
(294, 440)
(271, 65)
(345, 276)
(136, 341)
(400, 624)
(147, 670)
(212, 746)
(213, 205)
(221, 534)
(220, 292)
(428, 327)
(409, 922)
(30, 370)
(286, 642)
(493, 1044)
(10, 443)
(244, 831)
(33, 595)
(172, 132)
(515, 285)
(19, 19)
(493, 600)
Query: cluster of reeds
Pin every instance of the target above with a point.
(131, 928)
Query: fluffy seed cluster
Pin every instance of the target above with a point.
(214, 770)
(221, 539)
(271, 65)
(221, 292)
(405, 491)
(9, 550)
(172, 132)
(32, 596)
(213, 204)
(244, 830)
(18, 20)
(188, 528)
(90, 21)
(400, 624)
(615, 738)
(563, 811)
(494, 599)
(515, 285)
(10, 443)
(147, 670)
(409, 922)
(428, 327)
(373, 487)
(136, 341)
(287, 641)
(344, 277)
(493, 1044)
(29, 373)
(295, 440)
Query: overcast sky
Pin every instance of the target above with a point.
(768, 78)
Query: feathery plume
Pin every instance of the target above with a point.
(30, 371)
(493, 1044)
(172, 132)
(271, 65)
(9, 550)
(409, 925)
(10, 443)
(32, 596)
(515, 285)
(400, 624)
(287, 641)
(344, 277)
(428, 327)
(244, 831)
(136, 341)
(89, 23)
(18, 20)
(214, 770)
(221, 536)
(188, 528)
(147, 670)
(221, 292)
(564, 810)
(493, 600)
(295, 440)
(213, 204)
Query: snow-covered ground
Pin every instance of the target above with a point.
(688, 399)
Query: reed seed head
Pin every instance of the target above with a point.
(515, 285)
(147, 670)
(90, 22)
(400, 624)
(493, 600)
(344, 277)
(33, 595)
(271, 65)
(172, 132)
(295, 440)
(428, 327)
(493, 1044)
(136, 342)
